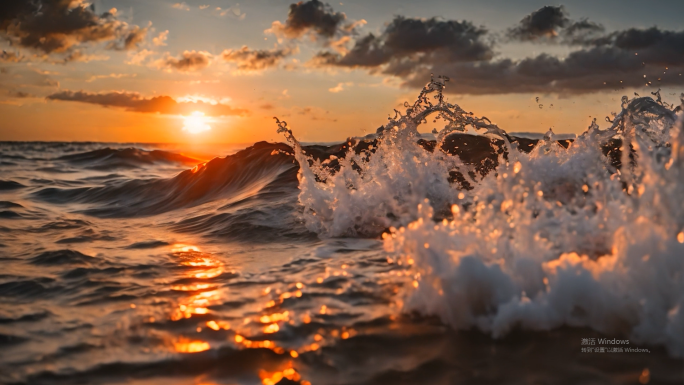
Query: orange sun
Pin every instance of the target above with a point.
(196, 123)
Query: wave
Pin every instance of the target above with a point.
(253, 191)
(7, 185)
(61, 257)
(584, 234)
(114, 158)
(230, 179)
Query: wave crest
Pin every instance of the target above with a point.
(590, 235)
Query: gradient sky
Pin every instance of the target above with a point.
(129, 71)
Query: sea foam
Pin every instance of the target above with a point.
(548, 238)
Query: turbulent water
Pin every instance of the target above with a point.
(468, 255)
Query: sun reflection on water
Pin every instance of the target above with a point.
(265, 323)
(185, 345)
(203, 294)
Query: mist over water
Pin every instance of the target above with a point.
(401, 257)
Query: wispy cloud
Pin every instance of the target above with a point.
(160, 40)
(189, 61)
(182, 6)
(340, 87)
(134, 102)
(251, 60)
(11, 57)
(233, 11)
(110, 76)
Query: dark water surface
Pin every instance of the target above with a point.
(394, 260)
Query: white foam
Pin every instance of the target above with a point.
(554, 237)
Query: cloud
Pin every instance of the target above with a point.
(248, 59)
(182, 6)
(410, 50)
(110, 76)
(10, 57)
(134, 102)
(311, 113)
(19, 94)
(160, 40)
(544, 22)
(581, 32)
(78, 56)
(189, 61)
(58, 26)
(340, 87)
(139, 57)
(582, 71)
(314, 17)
(26, 77)
(549, 23)
(132, 39)
(651, 40)
(407, 43)
(233, 12)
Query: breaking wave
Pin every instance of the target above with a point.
(589, 235)
(234, 177)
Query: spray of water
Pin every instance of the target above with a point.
(549, 238)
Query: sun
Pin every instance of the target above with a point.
(196, 123)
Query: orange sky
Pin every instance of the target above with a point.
(138, 83)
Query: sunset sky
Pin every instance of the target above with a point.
(134, 71)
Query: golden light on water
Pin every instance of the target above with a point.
(272, 378)
(183, 248)
(184, 345)
(202, 295)
(196, 123)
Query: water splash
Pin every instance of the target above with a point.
(382, 185)
(550, 238)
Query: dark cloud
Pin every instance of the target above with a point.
(581, 32)
(248, 59)
(56, 26)
(544, 22)
(134, 102)
(10, 10)
(407, 43)
(583, 71)
(652, 39)
(553, 24)
(189, 61)
(313, 16)
(412, 49)
(461, 41)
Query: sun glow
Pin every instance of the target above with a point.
(196, 123)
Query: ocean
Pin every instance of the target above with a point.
(464, 255)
